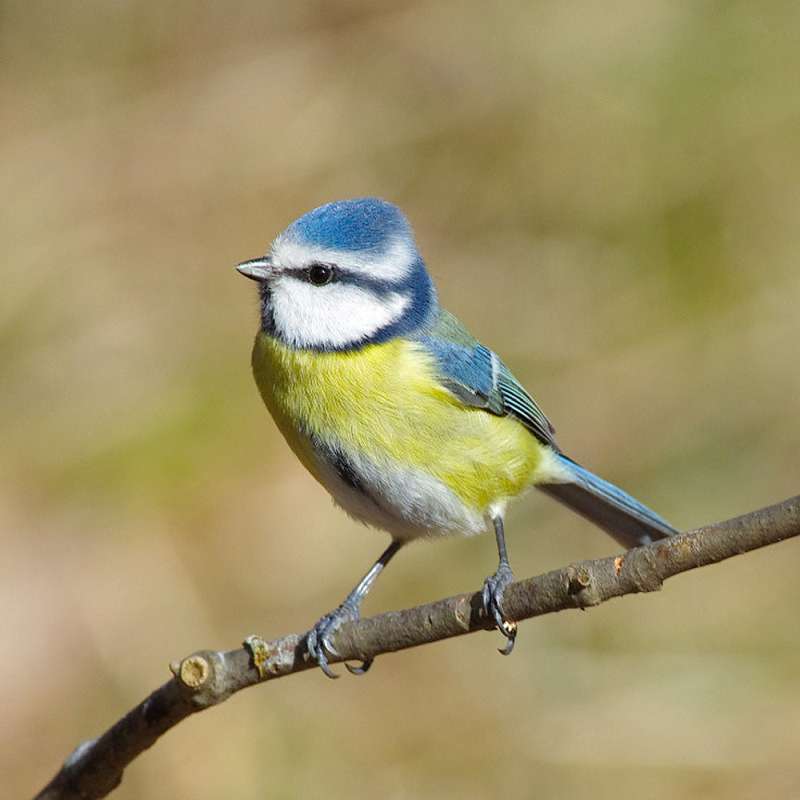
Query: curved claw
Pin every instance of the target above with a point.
(319, 643)
(509, 630)
(319, 646)
(493, 589)
(362, 670)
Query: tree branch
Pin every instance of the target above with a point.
(208, 677)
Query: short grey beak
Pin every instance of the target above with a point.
(257, 269)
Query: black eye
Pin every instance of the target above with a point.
(320, 274)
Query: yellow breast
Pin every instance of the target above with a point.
(385, 402)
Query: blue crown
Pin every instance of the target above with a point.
(362, 224)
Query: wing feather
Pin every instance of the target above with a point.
(479, 379)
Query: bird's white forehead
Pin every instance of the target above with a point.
(393, 263)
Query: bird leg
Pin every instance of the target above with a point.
(494, 587)
(318, 640)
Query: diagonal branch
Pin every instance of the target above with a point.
(208, 677)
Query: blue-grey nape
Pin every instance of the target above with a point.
(364, 223)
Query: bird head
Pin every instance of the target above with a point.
(342, 276)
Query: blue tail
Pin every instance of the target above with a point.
(616, 512)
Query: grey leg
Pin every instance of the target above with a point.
(318, 640)
(494, 587)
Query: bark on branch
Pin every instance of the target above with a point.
(208, 677)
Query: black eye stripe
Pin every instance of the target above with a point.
(341, 274)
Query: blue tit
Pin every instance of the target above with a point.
(412, 425)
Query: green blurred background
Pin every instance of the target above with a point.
(607, 193)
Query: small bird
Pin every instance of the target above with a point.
(411, 424)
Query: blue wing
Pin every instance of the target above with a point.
(479, 378)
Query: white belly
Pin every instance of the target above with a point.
(406, 502)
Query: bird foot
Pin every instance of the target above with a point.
(318, 640)
(493, 588)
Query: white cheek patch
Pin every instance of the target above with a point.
(392, 265)
(335, 315)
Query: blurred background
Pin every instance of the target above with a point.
(607, 194)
